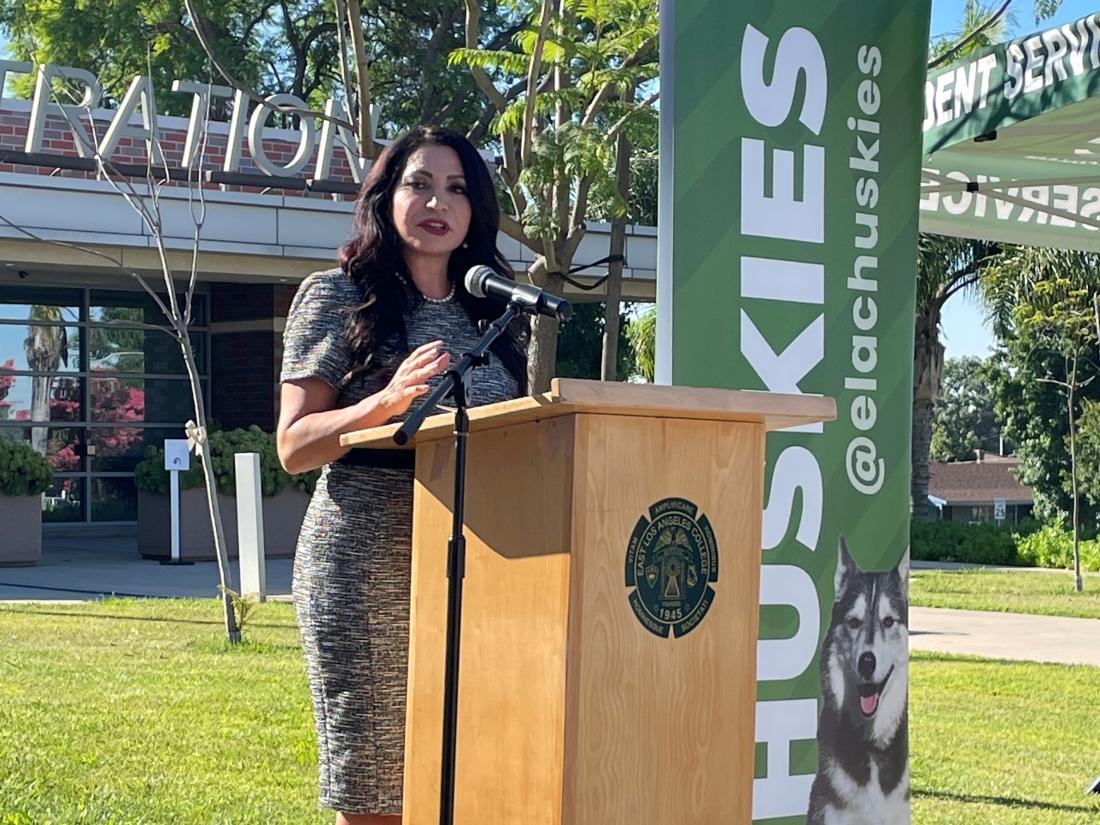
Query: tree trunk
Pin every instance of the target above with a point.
(609, 368)
(1078, 580)
(1096, 311)
(927, 371)
(232, 631)
(542, 350)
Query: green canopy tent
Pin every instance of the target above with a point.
(1012, 141)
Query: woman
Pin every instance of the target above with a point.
(362, 343)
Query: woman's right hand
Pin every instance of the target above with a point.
(411, 379)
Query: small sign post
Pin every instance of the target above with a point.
(250, 526)
(177, 459)
(999, 510)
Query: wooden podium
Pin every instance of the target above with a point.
(609, 629)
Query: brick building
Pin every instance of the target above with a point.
(84, 375)
(980, 490)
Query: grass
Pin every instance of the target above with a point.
(135, 712)
(1002, 743)
(1049, 594)
(126, 712)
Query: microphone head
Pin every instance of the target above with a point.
(475, 280)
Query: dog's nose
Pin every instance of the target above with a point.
(867, 665)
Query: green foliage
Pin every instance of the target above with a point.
(244, 608)
(965, 416)
(970, 543)
(1045, 9)
(571, 152)
(1042, 310)
(119, 39)
(1088, 451)
(151, 476)
(23, 472)
(642, 334)
(600, 45)
(1029, 544)
(580, 347)
(1052, 546)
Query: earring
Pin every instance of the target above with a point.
(465, 245)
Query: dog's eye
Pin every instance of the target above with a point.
(888, 622)
(854, 623)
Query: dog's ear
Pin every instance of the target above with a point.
(845, 566)
(903, 573)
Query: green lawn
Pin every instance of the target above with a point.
(135, 713)
(1002, 743)
(1050, 594)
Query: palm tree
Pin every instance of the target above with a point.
(945, 267)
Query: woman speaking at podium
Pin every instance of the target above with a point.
(363, 342)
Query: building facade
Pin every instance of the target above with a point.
(983, 490)
(86, 376)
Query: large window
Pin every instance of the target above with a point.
(88, 380)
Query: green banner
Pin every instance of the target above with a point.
(1011, 142)
(1011, 82)
(787, 250)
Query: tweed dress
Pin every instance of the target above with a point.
(353, 560)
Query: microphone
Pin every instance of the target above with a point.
(484, 282)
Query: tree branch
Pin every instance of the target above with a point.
(954, 50)
(203, 34)
(514, 230)
(608, 88)
(533, 71)
(620, 124)
(362, 76)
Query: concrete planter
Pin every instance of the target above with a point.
(283, 516)
(21, 535)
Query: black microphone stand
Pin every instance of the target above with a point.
(454, 384)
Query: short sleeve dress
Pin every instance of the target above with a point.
(352, 565)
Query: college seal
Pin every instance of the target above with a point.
(671, 561)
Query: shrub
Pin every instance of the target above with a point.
(151, 476)
(23, 471)
(1052, 546)
(970, 543)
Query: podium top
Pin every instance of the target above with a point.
(568, 396)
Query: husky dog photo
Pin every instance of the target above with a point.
(863, 748)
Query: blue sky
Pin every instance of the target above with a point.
(964, 329)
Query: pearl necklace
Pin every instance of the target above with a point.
(446, 299)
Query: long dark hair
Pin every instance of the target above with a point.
(372, 258)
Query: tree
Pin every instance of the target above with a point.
(410, 44)
(642, 333)
(965, 418)
(581, 345)
(46, 345)
(945, 267)
(1044, 306)
(119, 39)
(1088, 452)
(565, 101)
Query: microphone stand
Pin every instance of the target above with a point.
(454, 384)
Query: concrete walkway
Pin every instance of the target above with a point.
(83, 568)
(1005, 635)
(90, 568)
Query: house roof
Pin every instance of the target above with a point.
(978, 482)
